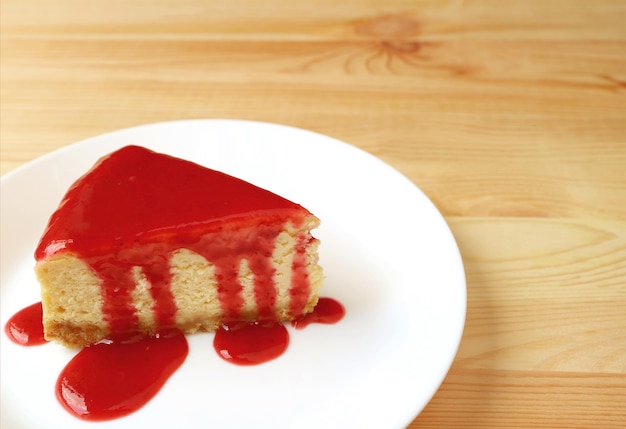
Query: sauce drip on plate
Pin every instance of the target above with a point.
(110, 380)
(327, 311)
(25, 327)
(251, 343)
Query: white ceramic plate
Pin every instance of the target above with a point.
(388, 255)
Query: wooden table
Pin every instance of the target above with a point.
(509, 115)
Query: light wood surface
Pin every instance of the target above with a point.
(509, 115)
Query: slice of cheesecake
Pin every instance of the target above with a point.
(145, 242)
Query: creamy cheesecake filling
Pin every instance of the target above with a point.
(264, 274)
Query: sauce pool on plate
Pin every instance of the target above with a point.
(112, 379)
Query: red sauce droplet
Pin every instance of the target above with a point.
(108, 381)
(326, 311)
(251, 343)
(25, 327)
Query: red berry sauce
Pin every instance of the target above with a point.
(251, 343)
(326, 311)
(110, 380)
(26, 327)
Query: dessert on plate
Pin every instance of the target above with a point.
(145, 242)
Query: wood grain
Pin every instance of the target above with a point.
(509, 115)
(514, 399)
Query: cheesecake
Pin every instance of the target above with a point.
(144, 243)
